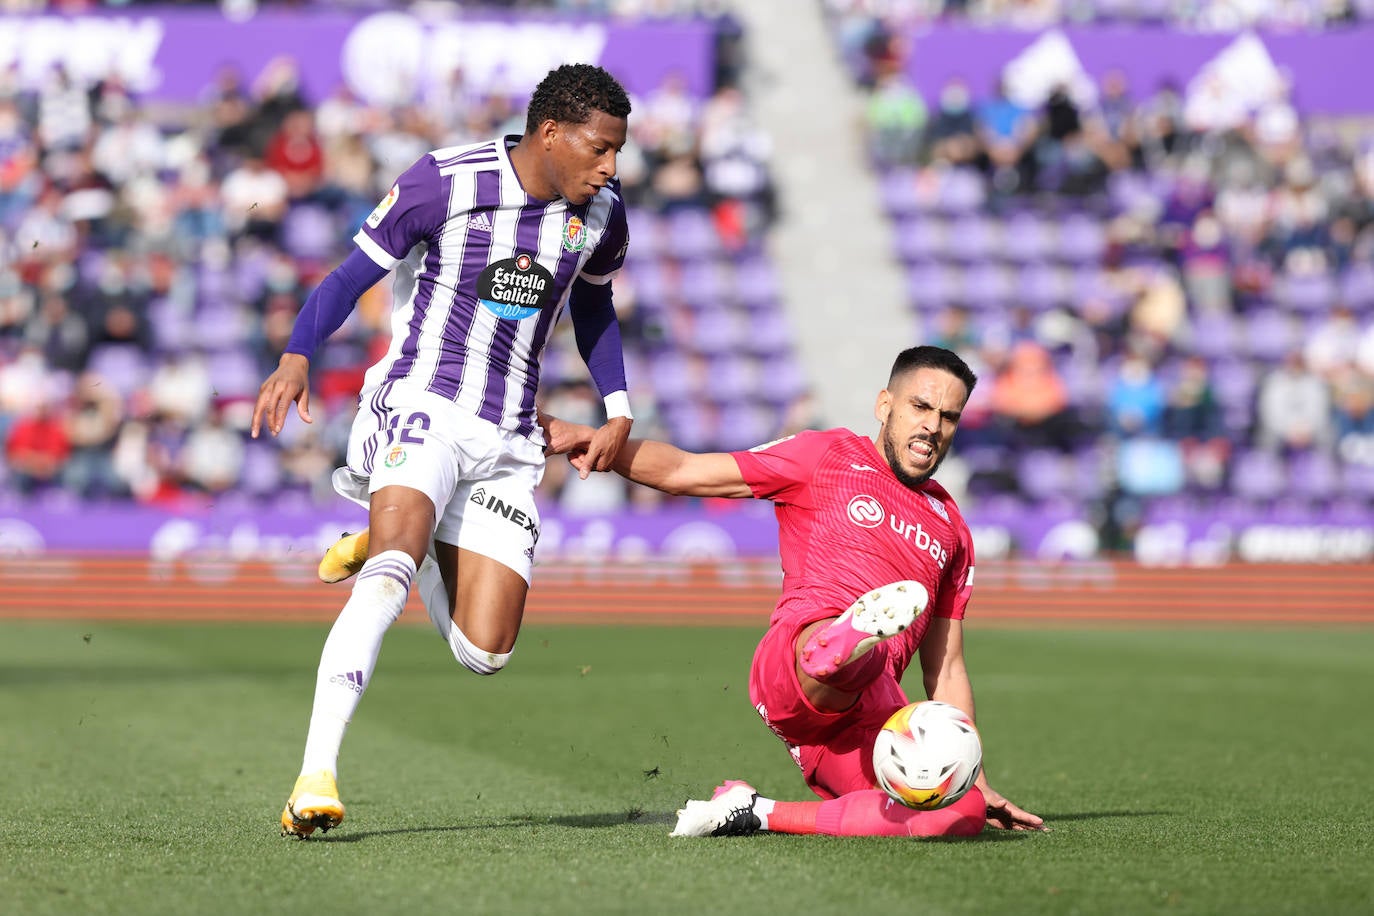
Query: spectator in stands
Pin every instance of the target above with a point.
(1332, 345)
(1007, 132)
(294, 153)
(36, 448)
(1293, 412)
(62, 337)
(1205, 261)
(734, 155)
(1354, 417)
(93, 421)
(896, 116)
(1194, 419)
(1066, 159)
(953, 134)
(255, 200)
(1157, 318)
(20, 180)
(1030, 401)
(180, 389)
(1135, 400)
(211, 458)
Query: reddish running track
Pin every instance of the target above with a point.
(111, 587)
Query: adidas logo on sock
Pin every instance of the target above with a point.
(351, 679)
(479, 222)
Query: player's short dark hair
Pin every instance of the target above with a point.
(927, 357)
(572, 92)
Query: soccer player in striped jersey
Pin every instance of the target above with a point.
(877, 571)
(490, 243)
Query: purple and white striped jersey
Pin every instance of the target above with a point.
(483, 273)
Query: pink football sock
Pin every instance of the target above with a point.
(873, 813)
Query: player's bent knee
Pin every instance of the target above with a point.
(473, 658)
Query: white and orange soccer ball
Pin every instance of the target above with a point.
(927, 755)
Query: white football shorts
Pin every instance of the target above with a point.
(481, 478)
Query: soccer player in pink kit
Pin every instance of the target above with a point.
(877, 570)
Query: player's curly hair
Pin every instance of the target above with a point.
(572, 92)
(927, 357)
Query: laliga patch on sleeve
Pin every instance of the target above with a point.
(384, 207)
(767, 445)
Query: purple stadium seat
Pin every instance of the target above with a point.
(744, 424)
(900, 192)
(1027, 238)
(690, 233)
(261, 474)
(922, 238)
(783, 380)
(1129, 190)
(1357, 287)
(124, 366)
(1314, 474)
(1042, 474)
(172, 329)
(1089, 281)
(973, 239)
(731, 377)
(1082, 239)
(646, 240)
(988, 286)
(675, 376)
(1042, 286)
(222, 327)
(704, 283)
(719, 330)
(1357, 480)
(961, 191)
(933, 286)
(1305, 292)
(233, 373)
(1214, 335)
(309, 232)
(1270, 335)
(694, 426)
(756, 283)
(1257, 474)
(770, 332)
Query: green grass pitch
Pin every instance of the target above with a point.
(1193, 771)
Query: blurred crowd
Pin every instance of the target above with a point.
(628, 9)
(153, 259)
(861, 22)
(1213, 334)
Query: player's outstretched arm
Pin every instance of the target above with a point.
(655, 464)
(290, 382)
(680, 473)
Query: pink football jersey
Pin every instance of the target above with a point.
(846, 525)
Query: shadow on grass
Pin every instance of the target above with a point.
(620, 818)
(610, 819)
(1100, 815)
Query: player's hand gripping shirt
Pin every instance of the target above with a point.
(846, 525)
(483, 273)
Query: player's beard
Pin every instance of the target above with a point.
(908, 479)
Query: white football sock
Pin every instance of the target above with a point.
(429, 582)
(350, 653)
(473, 658)
(763, 807)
